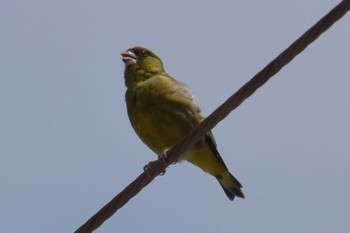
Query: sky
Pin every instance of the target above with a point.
(67, 148)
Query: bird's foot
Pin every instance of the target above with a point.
(149, 168)
(164, 156)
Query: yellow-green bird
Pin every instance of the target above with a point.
(162, 111)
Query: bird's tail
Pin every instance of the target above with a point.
(230, 185)
(208, 158)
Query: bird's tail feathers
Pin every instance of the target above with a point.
(231, 186)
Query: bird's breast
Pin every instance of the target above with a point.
(154, 120)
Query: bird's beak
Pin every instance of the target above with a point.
(129, 58)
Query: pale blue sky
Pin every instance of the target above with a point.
(67, 148)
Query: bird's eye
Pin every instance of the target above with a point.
(143, 53)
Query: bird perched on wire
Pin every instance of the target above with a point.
(162, 111)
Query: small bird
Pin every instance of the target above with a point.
(162, 111)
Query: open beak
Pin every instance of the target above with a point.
(129, 58)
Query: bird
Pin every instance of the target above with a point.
(162, 110)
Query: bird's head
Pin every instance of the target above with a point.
(141, 64)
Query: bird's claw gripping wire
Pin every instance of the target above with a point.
(163, 158)
(149, 168)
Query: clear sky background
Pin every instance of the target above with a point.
(67, 148)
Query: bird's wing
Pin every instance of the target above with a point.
(184, 101)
